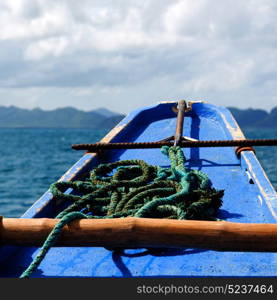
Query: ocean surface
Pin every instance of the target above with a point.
(32, 159)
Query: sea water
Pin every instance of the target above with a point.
(31, 159)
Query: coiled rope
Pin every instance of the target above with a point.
(134, 188)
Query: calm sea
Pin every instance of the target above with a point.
(32, 159)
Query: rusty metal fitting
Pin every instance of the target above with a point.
(244, 148)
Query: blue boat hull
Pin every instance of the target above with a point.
(249, 198)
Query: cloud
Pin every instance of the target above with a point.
(134, 53)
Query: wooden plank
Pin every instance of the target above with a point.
(144, 232)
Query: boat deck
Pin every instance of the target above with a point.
(249, 198)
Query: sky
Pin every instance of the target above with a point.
(123, 55)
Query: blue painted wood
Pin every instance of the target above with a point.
(249, 197)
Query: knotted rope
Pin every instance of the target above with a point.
(134, 188)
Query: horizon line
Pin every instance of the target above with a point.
(116, 112)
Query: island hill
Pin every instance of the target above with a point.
(255, 118)
(69, 117)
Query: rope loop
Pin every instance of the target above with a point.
(135, 188)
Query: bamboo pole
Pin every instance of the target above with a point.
(143, 232)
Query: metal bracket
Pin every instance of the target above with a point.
(186, 109)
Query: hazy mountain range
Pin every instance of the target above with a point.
(59, 118)
(103, 118)
(255, 118)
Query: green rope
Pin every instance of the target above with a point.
(50, 241)
(134, 188)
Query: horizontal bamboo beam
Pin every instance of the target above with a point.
(143, 232)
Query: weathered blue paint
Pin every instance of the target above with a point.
(249, 197)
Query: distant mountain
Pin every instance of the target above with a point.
(70, 117)
(59, 118)
(255, 118)
(105, 112)
(110, 122)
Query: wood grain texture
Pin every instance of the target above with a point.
(141, 232)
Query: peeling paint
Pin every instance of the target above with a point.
(115, 131)
(249, 177)
(39, 209)
(74, 170)
(269, 195)
(261, 199)
(236, 132)
(46, 195)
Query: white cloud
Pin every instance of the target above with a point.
(144, 51)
